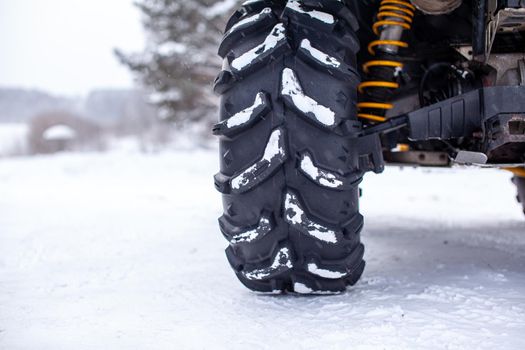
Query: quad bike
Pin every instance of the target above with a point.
(316, 93)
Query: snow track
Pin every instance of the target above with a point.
(122, 251)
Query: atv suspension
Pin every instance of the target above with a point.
(394, 17)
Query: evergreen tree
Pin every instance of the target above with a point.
(180, 61)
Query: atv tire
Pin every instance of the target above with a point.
(289, 173)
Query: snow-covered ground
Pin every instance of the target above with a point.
(122, 251)
(13, 139)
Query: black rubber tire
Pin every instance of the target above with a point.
(289, 172)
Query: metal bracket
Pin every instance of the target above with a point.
(470, 158)
(421, 158)
(464, 115)
(504, 20)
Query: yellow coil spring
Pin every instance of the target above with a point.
(391, 13)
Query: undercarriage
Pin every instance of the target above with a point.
(444, 81)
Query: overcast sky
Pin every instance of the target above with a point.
(65, 46)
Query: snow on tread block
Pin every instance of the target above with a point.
(247, 8)
(273, 46)
(305, 16)
(296, 217)
(308, 285)
(239, 235)
(317, 58)
(318, 55)
(281, 262)
(245, 26)
(244, 118)
(301, 288)
(336, 8)
(294, 97)
(248, 22)
(256, 5)
(268, 286)
(315, 269)
(253, 2)
(320, 176)
(340, 23)
(273, 157)
(336, 269)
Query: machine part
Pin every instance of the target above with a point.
(505, 137)
(390, 125)
(519, 171)
(465, 115)
(479, 32)
(491, 26)
(455, 82)
(291, 161)
(510, 20)
(502, 21)
(519, 180)
(394, 17)
(494, 115)
(507, 20)
(404, 104)
(509, 68)
(422, 158)
(436, 7)
(465, 51)
(470, 158)
(479, 159)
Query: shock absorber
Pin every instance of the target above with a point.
(393, 18)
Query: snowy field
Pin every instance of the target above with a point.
(122, 251)
(13, 139)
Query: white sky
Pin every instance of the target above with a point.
(66, 46)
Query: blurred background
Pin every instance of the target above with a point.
(84, 76)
